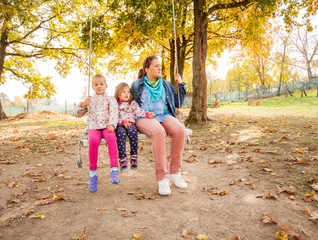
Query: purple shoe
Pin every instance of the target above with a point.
(114, 177)
(92, 186)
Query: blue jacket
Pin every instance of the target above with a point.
(172, 98)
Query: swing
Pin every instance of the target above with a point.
(83, 142)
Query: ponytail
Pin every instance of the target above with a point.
(141, 73)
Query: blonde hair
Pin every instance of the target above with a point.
(119, 89)
(101, 76)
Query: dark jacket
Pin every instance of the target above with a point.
(172, 98)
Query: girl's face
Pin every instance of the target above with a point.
(124, 95)
(99, 85)
(154, 70)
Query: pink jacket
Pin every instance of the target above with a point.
(129, 112)
(102, 111)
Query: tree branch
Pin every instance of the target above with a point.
(244, 3)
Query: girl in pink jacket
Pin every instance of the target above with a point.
(128, 111)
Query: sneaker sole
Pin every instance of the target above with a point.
(124, 170)
(164, 194)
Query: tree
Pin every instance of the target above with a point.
(306, 44)
(38, 30)
(139, 29)
(227, 15)
(18, 101)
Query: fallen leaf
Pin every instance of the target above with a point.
(288, 189)
(28, 212)
(101, 209)
(194, 219)
(82, 236)
(185, 233)
(269, 195)
(267, 170)
(311, 180)
(201, 237)
(146, 196)
(42, 196)
(280, 235)
(129, 214)
(40, 216)
(121, 209)
(314, 186)
(11, 200)
(310, 197)
(45, 202)
(291, 233)
(9, 182)
(268, 218)
(20, 193)
(215, 161)
(137, 236)
(191, 158)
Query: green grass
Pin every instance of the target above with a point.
(296, 105)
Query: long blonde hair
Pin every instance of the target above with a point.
(119, 89)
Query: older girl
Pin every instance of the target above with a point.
(159, 96)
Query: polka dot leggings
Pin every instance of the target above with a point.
(122, 133)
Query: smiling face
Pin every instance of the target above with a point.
(154, 70)
(124, 95)
(99, 85)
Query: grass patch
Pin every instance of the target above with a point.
(295, 106)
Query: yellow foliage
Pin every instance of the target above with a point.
(201, 237)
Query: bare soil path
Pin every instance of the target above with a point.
(244, 172)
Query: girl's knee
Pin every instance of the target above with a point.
(110, 137)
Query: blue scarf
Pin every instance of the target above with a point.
(155, 93)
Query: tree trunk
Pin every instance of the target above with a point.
(181, 54)
(163, 64)
(2, 113)
(3, 46)
(282, 68)
(172, 63)
(198, 112)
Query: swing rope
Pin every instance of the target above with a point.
(90, 49)
(79, 160)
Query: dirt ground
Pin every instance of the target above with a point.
(250, 176)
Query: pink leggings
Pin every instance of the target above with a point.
(94, 138)
(158, 133)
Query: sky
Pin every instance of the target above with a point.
(68, 89)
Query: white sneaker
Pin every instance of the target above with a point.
(177, 180)
(164, 188)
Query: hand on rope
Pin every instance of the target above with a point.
(86, 102)
(178, 78)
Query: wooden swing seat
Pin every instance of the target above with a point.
(141, 136)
